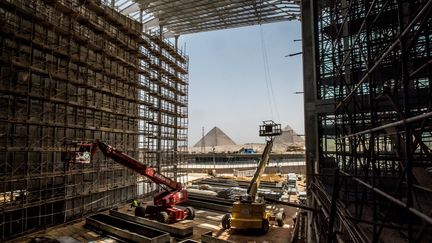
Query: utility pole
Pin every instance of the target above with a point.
(202, 141)
(214, 158)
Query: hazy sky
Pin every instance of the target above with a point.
(227, 85)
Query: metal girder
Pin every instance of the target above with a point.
(191, 16)
(184, 230)
(233, 25)
(132, 8)
(379, 131)
(269, 11)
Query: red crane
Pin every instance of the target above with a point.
(163, 209)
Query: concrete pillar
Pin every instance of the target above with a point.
(310, 99)
(309, 87)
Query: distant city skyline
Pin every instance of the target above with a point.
(227, 86)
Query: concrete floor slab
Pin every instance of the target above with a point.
(205, 220)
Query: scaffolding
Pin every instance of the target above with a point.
(165, 142)
(370, 167)
(79, 70)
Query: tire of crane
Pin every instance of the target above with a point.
(140, 211)
(163, 217)
(280, 219)
(191, 213)
(226, 221)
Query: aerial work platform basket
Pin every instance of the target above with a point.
(270, 129)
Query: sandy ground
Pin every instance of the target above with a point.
(205, 220)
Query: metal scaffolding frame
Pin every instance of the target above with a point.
(369, 101)
(165, 142)
(79, 70)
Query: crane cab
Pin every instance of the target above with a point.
(250, 215)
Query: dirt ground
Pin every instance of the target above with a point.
(205, 220)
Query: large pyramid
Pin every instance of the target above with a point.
(215, 137)
(288, 136)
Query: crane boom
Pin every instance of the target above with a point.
(163, 208)
(269, 129)
(133, 164)
(255, 182)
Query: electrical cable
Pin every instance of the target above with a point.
(267, 77)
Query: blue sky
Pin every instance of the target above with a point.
(227, 85)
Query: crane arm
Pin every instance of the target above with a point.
(133, 164)
(254, 184)
(269, 129)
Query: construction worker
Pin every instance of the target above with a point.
(135, 203)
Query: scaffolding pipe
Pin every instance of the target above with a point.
(393, 124)
(391, 198)
(425, 8)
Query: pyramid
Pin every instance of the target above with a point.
(288, 136)
(215, 137)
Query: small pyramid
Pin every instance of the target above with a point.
(215, 137)
(288, 136)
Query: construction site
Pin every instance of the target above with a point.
(94, 126)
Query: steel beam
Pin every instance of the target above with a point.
(177, 230)
(126, 230)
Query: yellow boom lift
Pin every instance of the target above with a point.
(250, 212)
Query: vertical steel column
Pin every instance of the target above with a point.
(175, 161)
(159, 112)
(331, 237)
(403, 19)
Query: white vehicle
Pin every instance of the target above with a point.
(292, 180)
(292, 176)
(302, 196)
(292, 191)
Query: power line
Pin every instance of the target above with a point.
(267, 77)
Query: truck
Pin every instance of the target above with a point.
(248, 151)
